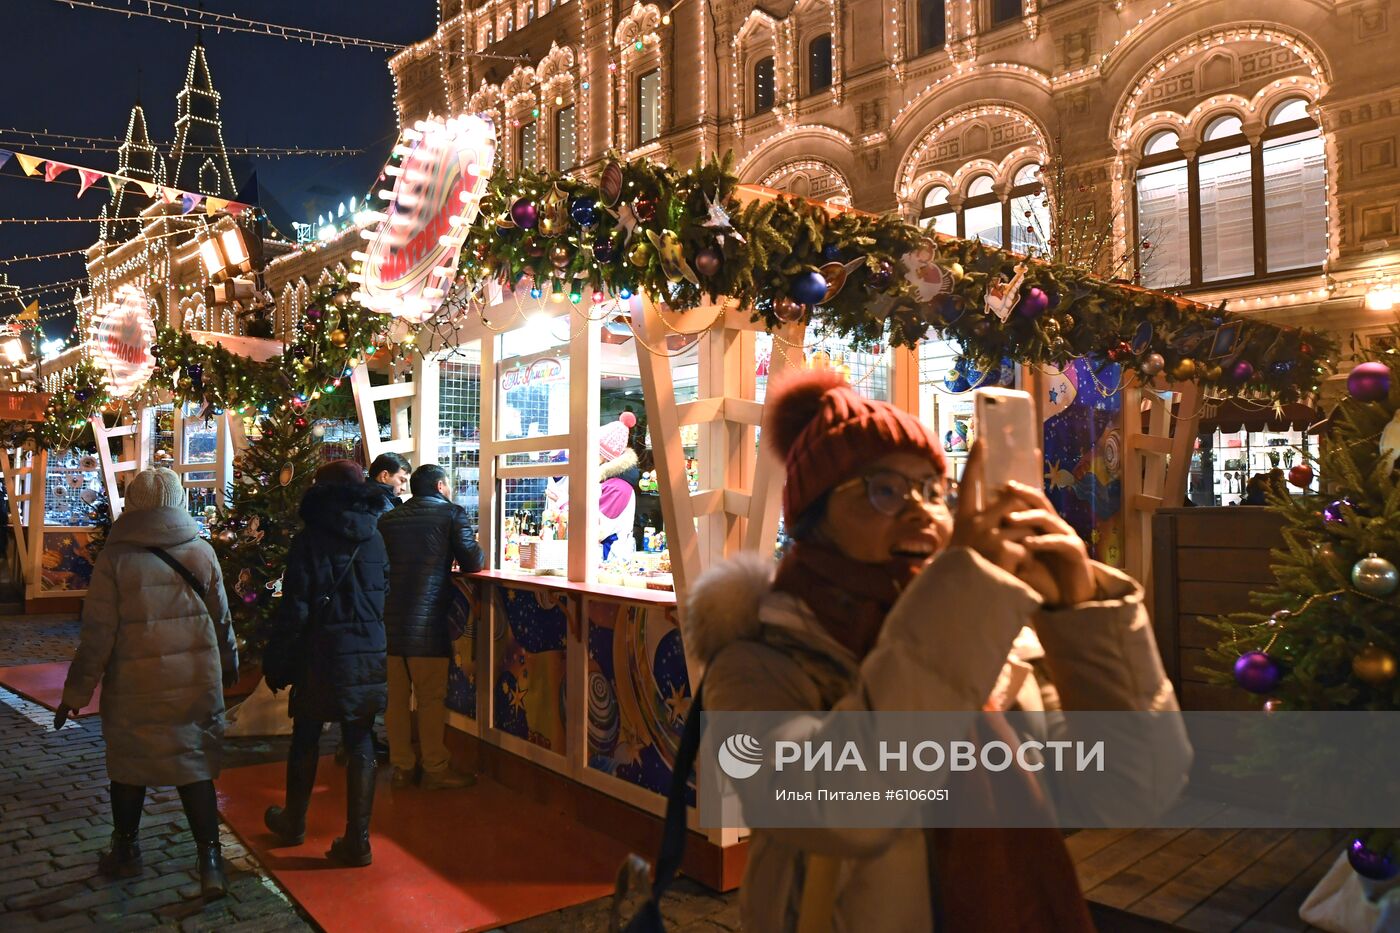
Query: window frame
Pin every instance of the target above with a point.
(942, 46)
(559, 137)
(994, 23)
(1300, 127)
(527, 125)
(809, 75)
(637, 80)
(755, 108)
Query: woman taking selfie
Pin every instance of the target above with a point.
(864, 502)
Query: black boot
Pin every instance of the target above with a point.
(123, 859)
(202, 810)
(289, 823)
(352, 849)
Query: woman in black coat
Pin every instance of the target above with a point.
(333, 602)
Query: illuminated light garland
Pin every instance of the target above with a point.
(965, 72)
(1030, 15)
(761, 147)
(41, 256)
(636, 38)
(777, 176)
(737, 85)
(99, 144)
(905, 189)
(702, 16)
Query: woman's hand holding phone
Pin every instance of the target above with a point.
(1020, 532)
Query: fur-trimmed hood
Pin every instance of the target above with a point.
(618, 465)
(723, 604)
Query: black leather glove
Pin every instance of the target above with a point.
(61, 715)
(230, 678)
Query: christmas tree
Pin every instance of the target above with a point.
(289, 394)
(1328, 632)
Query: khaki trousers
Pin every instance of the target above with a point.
(425, 679)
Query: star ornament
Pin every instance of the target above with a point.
(718, 220)
(677, 705)
(517, 698)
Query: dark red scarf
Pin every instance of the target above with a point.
(981, 879)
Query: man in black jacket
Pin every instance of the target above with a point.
(424, 537)
(390, 473)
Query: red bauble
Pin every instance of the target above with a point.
(788, 310)
(645, 209)
(708, 261)
(1121, 352)
(1301, 476)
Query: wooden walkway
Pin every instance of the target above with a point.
(1206, 880)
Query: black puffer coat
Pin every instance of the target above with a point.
(424, 536)
(345, 675)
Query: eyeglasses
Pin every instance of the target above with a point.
(889, 491)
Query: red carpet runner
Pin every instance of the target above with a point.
(43, 684)
(459, 860)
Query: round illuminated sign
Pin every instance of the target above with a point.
(123, 336)
(412, 257)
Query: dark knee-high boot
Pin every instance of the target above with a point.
(202, 810)
(352, 849)
(289, 822)
(123, 859)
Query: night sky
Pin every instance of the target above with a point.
(75, 71)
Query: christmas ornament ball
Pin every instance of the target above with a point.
(1370, 864)
(1374, 665)
(338, 337)
(1213, 373)
(1375, 575)
(1243, 371)
(831, 253)
(788, 310)
(525, 214)
(341, 299)
(808, 288)
(250, 597)
(639, 253)
(1301, 475)
(584, 211)
(1256, 672)
(708, 261)
(1369, 382)
(226, 536)
(1183, 369)
(1033, 303)
(645, 209)
(1333, 514)
(604, 249)
(560, 255)
(1152, 364)
(318, 430)
(881, 276)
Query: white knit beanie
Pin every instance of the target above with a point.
(154, 489)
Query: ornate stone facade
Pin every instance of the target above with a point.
(916, 96)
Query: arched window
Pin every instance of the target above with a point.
(982, 212)
(933, 25)
(764, 88)
(1235, 209)
(938, 215)
(819, 64)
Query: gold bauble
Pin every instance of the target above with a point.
(560, 256)
(341, 299)
(639, 253)
(1374, 665)
(1213, 373)
(1183, 370)
(338, 337)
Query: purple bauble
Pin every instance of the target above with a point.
(1033, 303)
(603, 248)
(808, 288)
(1256, 672)
(880, 278)
(708, 261)
(250, 597)
(1369, 382)
(1243, 371)
(1333, 515)
(1377, 866)
(525, 214)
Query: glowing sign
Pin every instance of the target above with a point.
(123, 335)
(539, 372)
(436, 196)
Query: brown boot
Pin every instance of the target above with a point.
(446, 779)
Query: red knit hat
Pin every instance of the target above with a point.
(826, 431)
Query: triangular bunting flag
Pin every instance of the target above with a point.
(190, 201)
(116, 182)
(5, 156)
(213, 205)
(235, 208)
(28, 163)
(30, 312)
(171, 195)
(54, 169)
(88, 176)
(147, 188)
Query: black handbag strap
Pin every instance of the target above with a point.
(668, 860)
(327, 596)
(182, 570)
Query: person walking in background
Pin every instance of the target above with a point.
(390, 473)
(327, 644)
(156, 632)
(423, 537)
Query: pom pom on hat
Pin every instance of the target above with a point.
(628, 419)
(795, 403)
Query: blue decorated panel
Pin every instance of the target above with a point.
(1084, 453)
(529, 662)
(638, 692)
(463, 616)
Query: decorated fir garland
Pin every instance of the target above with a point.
(67, 416)
(688, 236)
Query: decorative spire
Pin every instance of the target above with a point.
(136, 158)
(198, 160)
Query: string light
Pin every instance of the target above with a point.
(114, 143)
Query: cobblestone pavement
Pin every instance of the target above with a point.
(54, 821)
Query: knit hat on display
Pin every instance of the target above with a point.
(612, 438)
(154, 489)
(826, 432)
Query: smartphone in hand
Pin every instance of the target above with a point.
(1007, 427)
